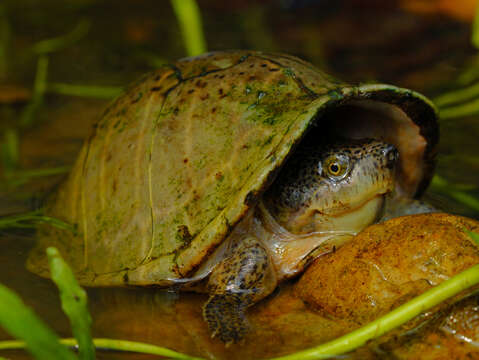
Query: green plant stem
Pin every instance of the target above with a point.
(74, 303)
(54, 44)
(18, 177)
(4, 41)
(28, 115)
(475, 29)
(10, 151)
(441, 185)
(189, 19)
(112, 344)
(99, 92)
(21, 322)
(474, 236)
(31, 219)
(43, 172)
(466, 109)
(395, 318)
(457, 96)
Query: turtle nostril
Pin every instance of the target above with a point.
(392, 155)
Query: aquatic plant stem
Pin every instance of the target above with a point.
(112, 344)
(189, 18)
(58, 43)
(98, 92)
(9, 149)
(475, 29)
(4, 41)
(74, 303)
(21, 322)
(28, 115)
(441, 185)
(31, 219)
(395, 318)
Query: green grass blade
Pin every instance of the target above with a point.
(115, 345)
(391, 320)
(10, 151)
(189, 19)
(5, 36)
(30, 220)
(51, 45)
(457, 96)
(22, 323)
(74, 303)
(98, 92)
(28, 115)
(475, 29)
(441, 185)
(467, 109)
(474, 236)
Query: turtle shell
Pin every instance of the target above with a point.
(178, 159)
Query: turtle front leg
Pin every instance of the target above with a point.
(243, 278)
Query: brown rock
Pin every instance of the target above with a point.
(387, 264)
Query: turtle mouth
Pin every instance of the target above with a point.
(353, 219)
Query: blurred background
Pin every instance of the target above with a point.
(61, 62)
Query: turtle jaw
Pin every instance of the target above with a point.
(353, 220)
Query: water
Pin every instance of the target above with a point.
(352, 41)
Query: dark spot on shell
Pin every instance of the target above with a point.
(185, 160)
(204, 97)
(220, 91)
(157, 77)
(219, 175)
(191, 91)
(273, 69)
(183, 234)
(251, 66)
(108, 157)
(213, 110)
(176, 111)
(263, 65)
(222, 76)
(155, 88)
(200, 84)
(114, 185)
(250, 198)
(251, 78)
(125, 278)
(241, 73)
(138, 97)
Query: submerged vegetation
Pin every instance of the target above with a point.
(35, 336)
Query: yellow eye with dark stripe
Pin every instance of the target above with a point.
(336, 167)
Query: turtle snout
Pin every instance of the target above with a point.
(391, 154)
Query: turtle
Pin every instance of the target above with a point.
(229, 172)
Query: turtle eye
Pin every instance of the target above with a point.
(336, 167)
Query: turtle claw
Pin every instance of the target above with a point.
(225, 315)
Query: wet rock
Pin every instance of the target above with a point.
(388, 264)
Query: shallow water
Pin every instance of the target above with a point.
(425, 51)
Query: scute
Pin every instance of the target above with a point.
(178, 159)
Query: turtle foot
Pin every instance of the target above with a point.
(225, 315)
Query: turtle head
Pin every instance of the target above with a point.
(335, 186)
